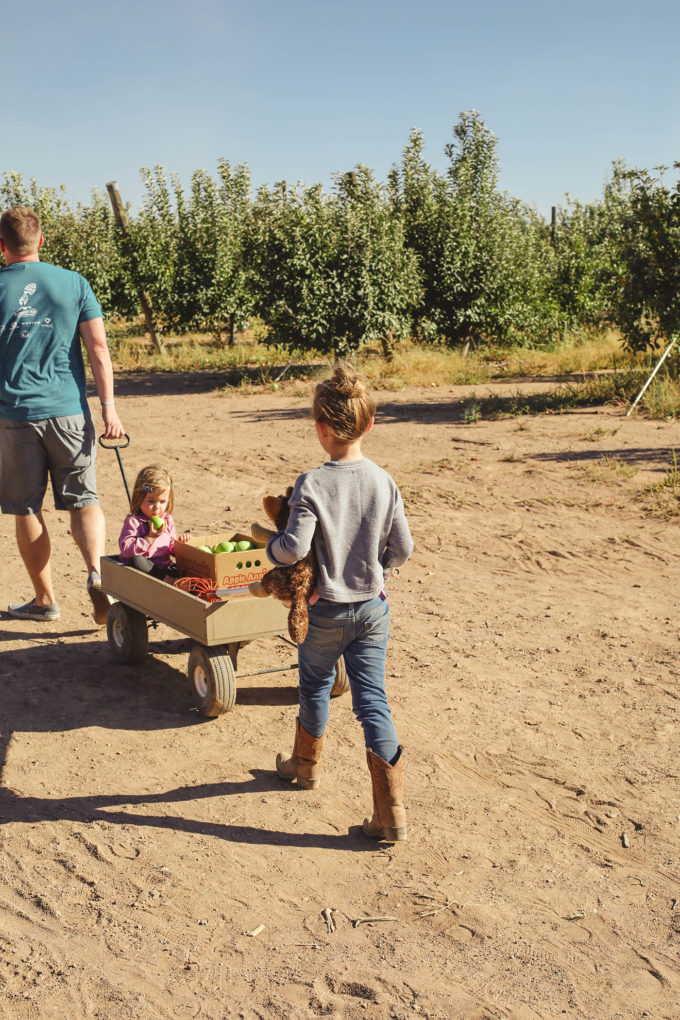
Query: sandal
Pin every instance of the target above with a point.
(32, 611)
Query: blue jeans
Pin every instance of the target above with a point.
(358, 631)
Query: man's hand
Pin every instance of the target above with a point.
(113, 428)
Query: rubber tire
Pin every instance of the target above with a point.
(127, 633)
(212, 678)
(341, 682)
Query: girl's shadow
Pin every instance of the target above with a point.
(14, 808)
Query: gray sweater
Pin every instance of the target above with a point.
(354, 514)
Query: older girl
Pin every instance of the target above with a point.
(351, 512)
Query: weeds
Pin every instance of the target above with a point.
(598, 433)
(445, 464)
(664, 496)
(610, 468)
(577, 354)
(472, 411)
(662, 399)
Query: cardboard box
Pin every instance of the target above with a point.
(227, 570)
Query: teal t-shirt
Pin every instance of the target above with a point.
(42, 374)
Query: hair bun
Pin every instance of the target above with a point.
(343, 403)
(346, 381)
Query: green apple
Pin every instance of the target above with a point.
(157, 523)
(224, 547)
(204, 548)
(243, 546)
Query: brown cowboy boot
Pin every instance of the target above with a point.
(389, 817)
(305, 762)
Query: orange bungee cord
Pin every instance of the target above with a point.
(202, 587)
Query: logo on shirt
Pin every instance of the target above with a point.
(24, 307)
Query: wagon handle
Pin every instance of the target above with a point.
(115, 443)
(118, 446)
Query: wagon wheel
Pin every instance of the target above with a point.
(341, 682)
(127, 633)
(213, 679)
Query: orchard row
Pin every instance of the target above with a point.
(441, 257)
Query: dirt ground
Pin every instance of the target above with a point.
(153, 866)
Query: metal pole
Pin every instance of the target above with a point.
(145, 300)
(273, 669)
(658, 366)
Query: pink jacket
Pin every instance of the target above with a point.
(133, 540)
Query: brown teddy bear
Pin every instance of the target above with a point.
(292, 584)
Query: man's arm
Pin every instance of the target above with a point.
(93, 336)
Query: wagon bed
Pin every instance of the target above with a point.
(211, 623)
(219, 630)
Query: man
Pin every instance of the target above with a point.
(46, 429)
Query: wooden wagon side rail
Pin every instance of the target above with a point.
(217, 623)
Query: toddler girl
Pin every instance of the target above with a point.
(148, 537)
(352, 513)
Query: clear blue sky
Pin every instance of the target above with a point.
(302, 89)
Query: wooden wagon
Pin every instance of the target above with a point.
(219, 630)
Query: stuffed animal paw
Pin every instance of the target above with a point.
(257, 589)
(261, 534)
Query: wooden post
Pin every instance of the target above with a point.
(553, 224)
(145, 300)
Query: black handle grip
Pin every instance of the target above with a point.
(115, 444)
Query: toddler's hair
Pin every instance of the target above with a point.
(343, 403)
(152, 479)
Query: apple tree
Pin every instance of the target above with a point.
(645, 236)
(484, 258)
(332, 270)
(191, 249)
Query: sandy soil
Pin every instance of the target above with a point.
(154, 867)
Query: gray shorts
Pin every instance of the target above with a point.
(61, 449)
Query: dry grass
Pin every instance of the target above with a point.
(412, 364)
(662, 399)
(576, 355)
(588, 369)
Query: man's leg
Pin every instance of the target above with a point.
(34, 546)
(89, 533)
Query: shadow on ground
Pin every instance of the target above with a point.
(651, 460)
(107, 808)
(58, 686)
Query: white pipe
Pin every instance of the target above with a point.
(658, 366)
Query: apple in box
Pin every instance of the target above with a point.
(231, 560)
